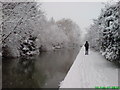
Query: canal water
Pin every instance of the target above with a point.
(44, 71)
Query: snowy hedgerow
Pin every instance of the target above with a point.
(110, 33)
(105, 33)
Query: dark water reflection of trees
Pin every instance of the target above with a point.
(44, 71)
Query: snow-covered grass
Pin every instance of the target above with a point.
(89, 71)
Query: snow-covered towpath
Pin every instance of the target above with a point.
(89, 71)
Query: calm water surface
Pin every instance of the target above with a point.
(44, 71)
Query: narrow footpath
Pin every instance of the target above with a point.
(89, 71)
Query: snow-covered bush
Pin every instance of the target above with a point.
(108, 26)
(28, 47)
(110, 33)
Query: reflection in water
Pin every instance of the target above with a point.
(44, 71)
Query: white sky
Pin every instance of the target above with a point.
(80, 12)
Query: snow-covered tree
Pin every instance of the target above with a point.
(71, 30)
(53, 36)
(93, 35)
(19, 20)
(22, 19)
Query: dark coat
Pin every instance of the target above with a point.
(86, 46)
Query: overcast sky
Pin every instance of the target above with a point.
(80, 12)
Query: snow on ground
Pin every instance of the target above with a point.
(89, 71)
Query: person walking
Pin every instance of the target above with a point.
(86, 47)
